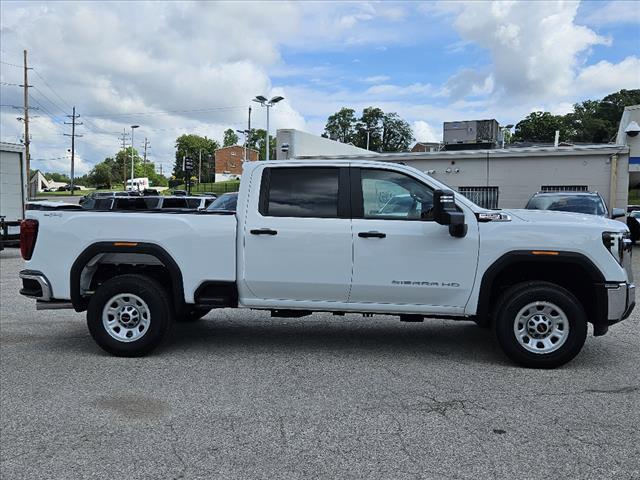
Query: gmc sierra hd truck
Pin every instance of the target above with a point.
(336, 236)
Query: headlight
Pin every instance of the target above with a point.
(617, 243)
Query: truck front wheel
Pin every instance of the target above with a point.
(540, 324)
(128, 315)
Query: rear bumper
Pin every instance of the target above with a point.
(35, 285)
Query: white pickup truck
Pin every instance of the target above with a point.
(336, 236)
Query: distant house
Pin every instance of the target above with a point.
(426, 147)
(229, 161)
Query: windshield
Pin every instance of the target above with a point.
(228, 201)
(589, 204)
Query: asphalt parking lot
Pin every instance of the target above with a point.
(241, 396)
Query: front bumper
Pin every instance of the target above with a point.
(621, 299)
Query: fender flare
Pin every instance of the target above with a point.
(80, 303)
(526, 256)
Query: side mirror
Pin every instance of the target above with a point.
(617, 212)
(445, 212)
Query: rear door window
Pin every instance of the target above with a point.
(310, 192)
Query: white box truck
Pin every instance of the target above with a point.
(13, 192)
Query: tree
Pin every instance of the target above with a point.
(396, 133)
(387, 131)
(192, 146)
(592, 121)
(597, 121)
(371, 121)
(341, 125)
(541, 127)
(257, 141)
(100, 175)
(230, 138)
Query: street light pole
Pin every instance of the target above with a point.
(262, 100)
(133, 127)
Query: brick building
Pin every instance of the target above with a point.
(229, 161)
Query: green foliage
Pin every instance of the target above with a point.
(258, 141)
(592, 121)
(230, 138)
(387, 131)
(190, 146)
(57, 177)
(111, 171)
(101, 175)
(341, 125)
(541, 127)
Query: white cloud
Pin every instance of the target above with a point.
(397, 90)
(377, 79)
(614, 12)
(423, 132)
(113, 59)
(535, 47)
(605, 77)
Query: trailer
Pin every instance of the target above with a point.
(13, 192)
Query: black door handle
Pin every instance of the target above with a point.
(264, 231)
(372, 235)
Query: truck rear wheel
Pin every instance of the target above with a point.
(540, 325)
(128, 315)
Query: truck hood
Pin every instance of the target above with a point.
(547, 216)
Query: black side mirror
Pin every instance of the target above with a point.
(445, 212)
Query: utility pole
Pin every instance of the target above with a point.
(247, 136)
(144, 160)
(123, 137)
(73, 136)
(200, 167)
(27, 140)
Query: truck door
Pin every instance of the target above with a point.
(298, 242)
(401, 256)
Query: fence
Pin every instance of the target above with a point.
(486, 197)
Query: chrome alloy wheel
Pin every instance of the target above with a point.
(541, 327)
(126, 317)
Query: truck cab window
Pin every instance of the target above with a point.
(395, 196)
(302, 192)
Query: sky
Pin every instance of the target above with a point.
(193, 67)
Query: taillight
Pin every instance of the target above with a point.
(28, 236)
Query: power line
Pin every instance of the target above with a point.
(51, 88)
(13, 65)
(165, 112)
(49, 100)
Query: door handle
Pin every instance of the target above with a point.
(264, 231)
(372, 235)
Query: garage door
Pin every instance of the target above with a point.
(10, 186)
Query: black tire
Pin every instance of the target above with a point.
(157, 319)
(191, 315)
(515, 299)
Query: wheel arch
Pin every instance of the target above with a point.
(571, 270)
(80, 302)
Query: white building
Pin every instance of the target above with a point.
(505, 178)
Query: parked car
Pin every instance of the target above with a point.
(590, 203)
(133, 201)
(308, 237)
(226, 202)
(89, 200)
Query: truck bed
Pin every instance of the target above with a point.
(202, 243)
